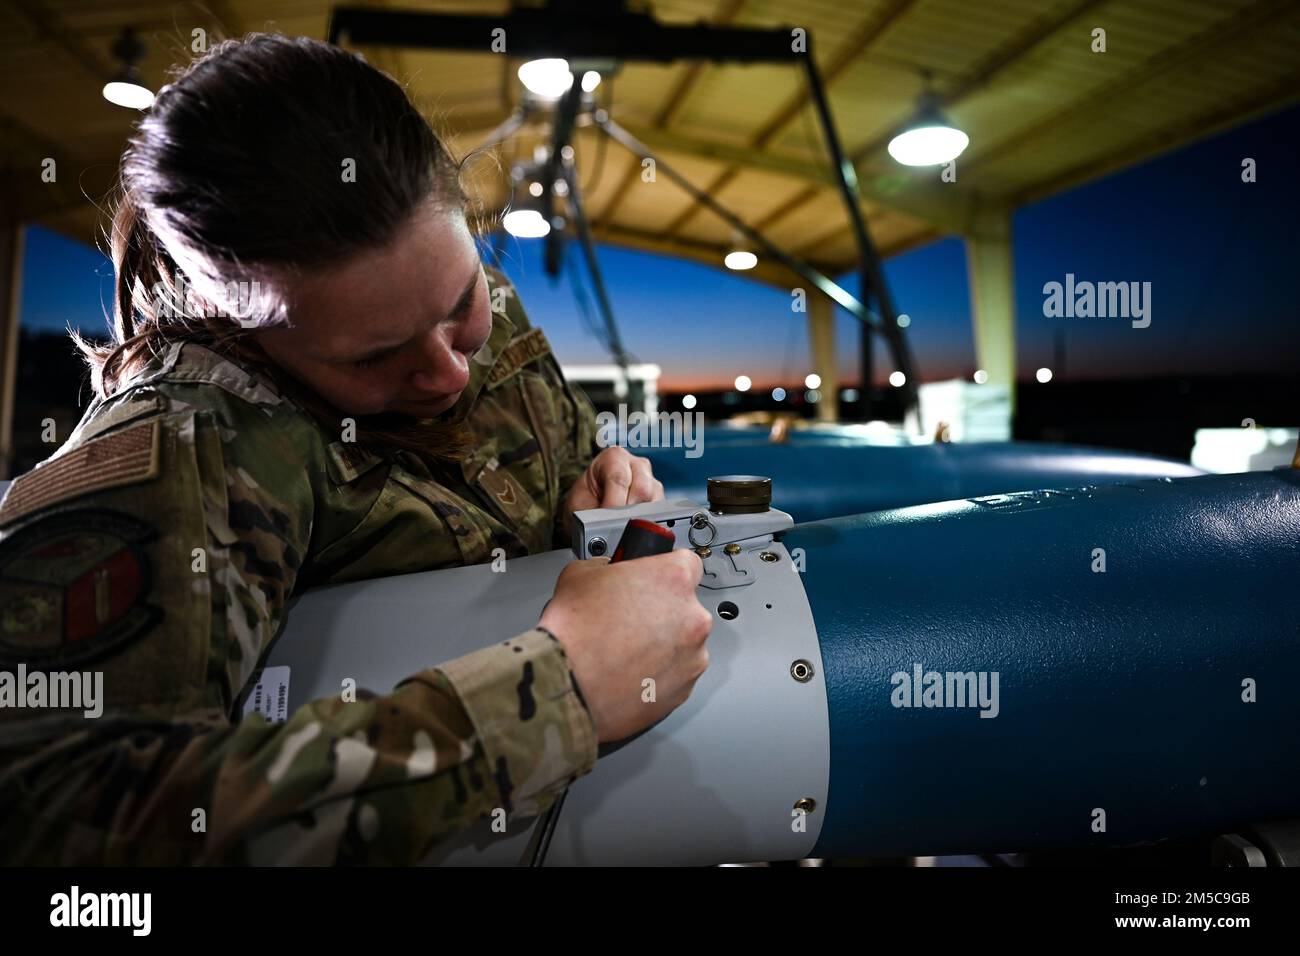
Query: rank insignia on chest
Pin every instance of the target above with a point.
(512, 499)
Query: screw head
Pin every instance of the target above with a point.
(704, 552)
(805, 804)
(732, 549)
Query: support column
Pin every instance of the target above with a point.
(993, 298)
(821, 347)
(11, 274)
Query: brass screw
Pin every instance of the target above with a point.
(704, 552)
(769, 556)
(805, 804)
(732, 549)
(802, 671)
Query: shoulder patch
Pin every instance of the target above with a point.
(521, 350)
(122, 458)
(72, 588)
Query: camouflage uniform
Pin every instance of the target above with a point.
(160, 545)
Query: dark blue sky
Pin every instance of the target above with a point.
(1220, 255)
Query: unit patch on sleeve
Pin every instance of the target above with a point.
(72, 588)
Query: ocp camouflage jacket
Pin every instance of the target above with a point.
(160, 545)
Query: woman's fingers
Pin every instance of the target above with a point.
(614, 474)
(644, 485)
(617, 477)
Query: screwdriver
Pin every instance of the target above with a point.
(641, 539)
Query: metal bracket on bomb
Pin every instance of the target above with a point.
(730, 535)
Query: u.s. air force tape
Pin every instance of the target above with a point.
(521, 350)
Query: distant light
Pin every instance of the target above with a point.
(743, 383)
(130, 94)
(813, 380)
(778, 394)
(897, 379)
(981, 376)
(1044, 375)
(1227, 450)
(525, 224)
(850, 394)
(548, 78)
(590, 80)
(740, 260)
(904, 321)
(812, 396)
(688, 401)
(534, 189)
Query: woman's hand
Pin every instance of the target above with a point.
(615, 477)
(628, 629)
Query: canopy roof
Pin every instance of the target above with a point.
(1043, 111)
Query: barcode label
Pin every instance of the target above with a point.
(270, 695)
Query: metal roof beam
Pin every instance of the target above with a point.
(674, 101)
(602, 31)
(931, 205)
(1220, 34)
(1259, 102)
(47, 25)
(1004, 56)
(867, 34)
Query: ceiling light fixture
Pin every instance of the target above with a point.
(929, 138)
(126, 88)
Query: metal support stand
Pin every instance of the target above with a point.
(564, 28)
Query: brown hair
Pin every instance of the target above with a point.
(234, 180)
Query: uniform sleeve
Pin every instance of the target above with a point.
(163, 776)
